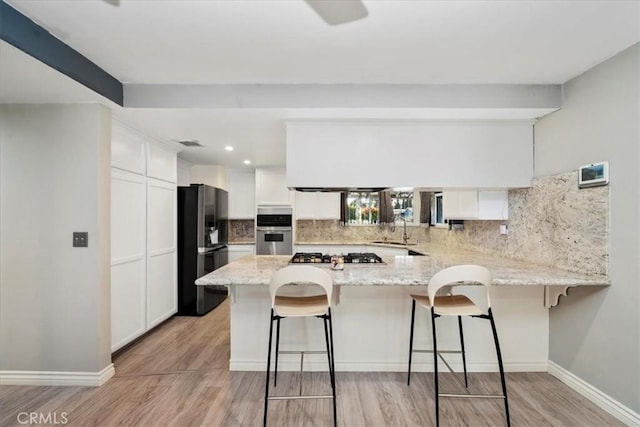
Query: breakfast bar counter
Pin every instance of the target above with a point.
(373, 306)
(404, 271)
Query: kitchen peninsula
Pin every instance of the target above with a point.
(372, 313)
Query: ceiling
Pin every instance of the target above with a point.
(265, 41)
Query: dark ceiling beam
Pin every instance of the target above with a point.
(34, 40)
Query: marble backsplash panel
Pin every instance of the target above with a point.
(552, 223)
(313, 231)
(241, 231)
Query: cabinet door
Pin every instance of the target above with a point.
(161, 252)
(128, 261)
(127, 149)
(462, 204)
(317, 205)
(306, 205)
(328, 205)
(242, 194)
(271, 187)
(161, 163)
(493, 204)
(467, 204)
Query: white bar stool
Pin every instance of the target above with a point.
(301, 306)
(447, 304)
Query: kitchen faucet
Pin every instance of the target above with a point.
(405, 237)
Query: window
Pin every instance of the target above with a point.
(364, 207)
(402, 201)
(437, 217)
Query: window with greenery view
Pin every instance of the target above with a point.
(364, 207)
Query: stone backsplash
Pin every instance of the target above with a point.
(552, 223)
(241, 231)
(314, 231)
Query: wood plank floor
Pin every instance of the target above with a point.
(178, 376)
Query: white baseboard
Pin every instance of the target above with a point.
(89, 379)
(606, 402)
(319, 366)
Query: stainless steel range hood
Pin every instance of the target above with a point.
(338, 189)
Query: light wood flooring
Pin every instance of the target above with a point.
(178, 376)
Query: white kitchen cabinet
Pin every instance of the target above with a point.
(312, 205)
(271, 187)
(493, 204)
(128, 149)
(239, 251)
(242, 194)
(460, 204)
(161, 163)
(474, 204)
(143, 235)
(162, 290)
(128, 261)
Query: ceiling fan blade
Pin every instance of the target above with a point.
(336, 12)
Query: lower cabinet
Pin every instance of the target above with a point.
(239, 251)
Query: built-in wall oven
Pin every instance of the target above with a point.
(273, 230)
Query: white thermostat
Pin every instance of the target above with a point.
(593, 175)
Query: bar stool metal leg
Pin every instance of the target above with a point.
(435, 365)
(413, 316)
(266, 389)
(275, 373)
(464, 359)
(502, 379)
(333, 369)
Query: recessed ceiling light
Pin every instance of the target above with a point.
(228, 148)
(247, 162)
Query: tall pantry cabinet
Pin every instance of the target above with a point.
(143, 234)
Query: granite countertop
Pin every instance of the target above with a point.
(405, 270)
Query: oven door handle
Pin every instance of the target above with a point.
(273, 229)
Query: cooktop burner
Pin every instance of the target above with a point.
(351, 258)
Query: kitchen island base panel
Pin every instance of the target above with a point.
(372, 332)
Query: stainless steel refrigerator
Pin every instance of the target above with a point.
(202, 246)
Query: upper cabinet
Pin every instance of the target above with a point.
(271, 187)
(241, 185)
(317, 205)
(128, 149)
(135, 152)
(474, 204)
(161, 163)
(460, 204)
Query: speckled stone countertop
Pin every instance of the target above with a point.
(405, 270)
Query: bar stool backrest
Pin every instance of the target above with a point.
(460, 274)
(301, 274)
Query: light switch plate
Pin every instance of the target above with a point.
(80, 239)
(504, 229)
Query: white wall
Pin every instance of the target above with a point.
(184, 172)
(55, 179)
(595, 334)
(215, 176)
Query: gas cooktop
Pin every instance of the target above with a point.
(351, 258)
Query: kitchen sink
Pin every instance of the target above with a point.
(394, 242)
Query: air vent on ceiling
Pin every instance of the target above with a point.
(190, 143)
